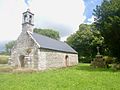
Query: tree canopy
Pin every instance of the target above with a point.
(9, 46)
(84, 41)
(108, 23)
(48, 32)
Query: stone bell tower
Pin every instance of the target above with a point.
(27, 21)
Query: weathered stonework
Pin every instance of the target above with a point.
(52, 59)
(23, 43)
(28, 53)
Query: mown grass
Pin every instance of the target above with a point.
(80, 77)
(4, 59)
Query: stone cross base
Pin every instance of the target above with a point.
(98, 62)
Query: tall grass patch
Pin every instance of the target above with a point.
(4, 59)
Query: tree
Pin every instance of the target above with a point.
(48, 32)
(108, 23)
(84, 41)
(9, 46)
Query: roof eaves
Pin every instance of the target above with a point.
(28, 12)
(59, 50)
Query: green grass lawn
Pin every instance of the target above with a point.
(80, 77)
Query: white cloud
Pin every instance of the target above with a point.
(91, 20)
(64, 38)
(68, 13)
(10, 19)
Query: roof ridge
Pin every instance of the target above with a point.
(49, 37)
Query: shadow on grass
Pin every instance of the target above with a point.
(87, 67)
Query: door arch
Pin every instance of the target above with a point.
(22, 60)
(66, 60)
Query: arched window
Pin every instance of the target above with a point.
(30, 16)
(25, 18)
(30, 19)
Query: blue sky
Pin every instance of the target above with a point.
(89, 6)
(64, 16)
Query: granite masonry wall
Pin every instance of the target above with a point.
(21, 47)
(55, 59)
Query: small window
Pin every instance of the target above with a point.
(30, 16)
(25, 18)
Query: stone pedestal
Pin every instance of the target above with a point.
(98, 62)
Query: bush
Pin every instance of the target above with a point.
(85, 59)
(108, 59)
(3, 59)
(116, 66)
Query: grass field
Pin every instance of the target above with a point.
(80, 77)
(4, 59)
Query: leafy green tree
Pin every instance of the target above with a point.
(84, 41)
(9, 46)
(48, 32)
(108, 23)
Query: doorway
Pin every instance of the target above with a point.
(66, 60)
(22, 60)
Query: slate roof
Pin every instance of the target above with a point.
(52, 44)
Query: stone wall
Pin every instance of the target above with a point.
(23, 43)
(55, 59)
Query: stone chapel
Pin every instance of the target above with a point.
(34, 51)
